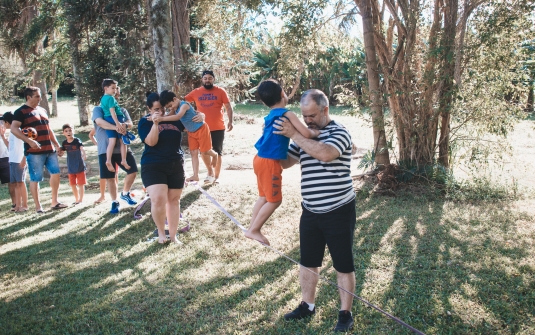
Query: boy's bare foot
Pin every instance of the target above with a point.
(256, 236)
(99, 200)
(192, 178)
(125, 164)
(110, 167)
(175, 241)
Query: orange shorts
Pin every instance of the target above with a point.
(200, 139)
(77, 179)
(269, 178)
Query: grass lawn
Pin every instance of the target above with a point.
(443, 267)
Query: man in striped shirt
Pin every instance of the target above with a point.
(328, 216)
(40, 152)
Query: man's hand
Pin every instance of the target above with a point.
(285, 127)
(34, 144)
(121, 128)
(229, 126)
(199, 117)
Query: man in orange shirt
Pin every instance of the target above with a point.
(210, 100)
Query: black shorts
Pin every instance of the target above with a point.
(171, 174)
(334, 229)
(116, 160)
(217, 141)
(4, 170)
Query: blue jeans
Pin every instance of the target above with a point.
(36, 163)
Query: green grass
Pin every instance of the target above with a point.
(444, 267)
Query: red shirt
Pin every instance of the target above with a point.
(210, 102)
(38, 119)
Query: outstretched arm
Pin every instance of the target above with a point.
(321, 151)
(177, 116)
(300, 127)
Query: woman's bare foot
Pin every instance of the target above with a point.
(163, 239)
(125, 164)
(110, 167)
(99, 200)
(256, 236)
(175, 241)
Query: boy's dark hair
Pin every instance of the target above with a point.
(166, 97)
(7, 117)
(67, 125)
(29, 91)
(270, 92)
(108, 82)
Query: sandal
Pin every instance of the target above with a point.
(59, 205)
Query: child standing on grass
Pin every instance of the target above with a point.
(75, 162)
(17, 167)
(198, 132)
(113, 114)
(271, 149)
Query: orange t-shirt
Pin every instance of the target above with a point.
(210, 102)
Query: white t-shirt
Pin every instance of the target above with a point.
(16, 149)
(4, 152)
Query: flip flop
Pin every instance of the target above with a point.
(59, 205)
(40, 211)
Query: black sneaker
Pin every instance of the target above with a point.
(345, 321)
(300, 312)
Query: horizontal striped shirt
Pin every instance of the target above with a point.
(38, 119)
(326, 186)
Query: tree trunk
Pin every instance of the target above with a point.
(162, 40)
(529, 104)
(181, 32)
(38, 81)
(379, 138)
(83, 104)
(448, 73)
(54, 110)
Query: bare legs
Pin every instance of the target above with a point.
(21, 197)
(194, 165)
(309, 281)
(213, 170)
(78, 191)
(262, 210)
(165, 202)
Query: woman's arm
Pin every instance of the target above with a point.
(300, 127)
(153, 136)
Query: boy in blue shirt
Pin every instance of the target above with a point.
(113, 114)
(75, 162)
(271, 149)
(198, 132)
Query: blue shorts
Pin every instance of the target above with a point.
(17, 174)
(113, 133)
(36, 163)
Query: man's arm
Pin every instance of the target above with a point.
(104, 124)
(289, 162)
(230, 113)
(15, 130)
(127, 119)
(321, 151)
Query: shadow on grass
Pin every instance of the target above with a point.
(422, 261)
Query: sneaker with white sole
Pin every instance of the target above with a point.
(115, 207)
(126, 197)
(209, 179)
(302, 311)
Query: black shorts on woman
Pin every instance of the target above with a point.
(163, 163)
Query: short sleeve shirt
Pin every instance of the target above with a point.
(168, 147)
(107, 102)
(16, 149)
(100, 133)
(210, 102)
(75, 162)
(326, 186)
(38, 119)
